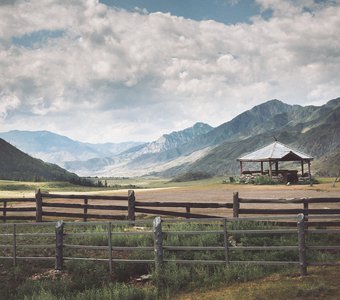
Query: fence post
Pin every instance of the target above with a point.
(4, 213)
(14, 245)
(109, 236)
(236, 205)
(302, 244)
(305, 208)
(158, 243)
(187, 210)
(225, 242)
(86, 201)
(59, 240)
(38, 203)
(131, 205)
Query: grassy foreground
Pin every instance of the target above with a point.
(82, 280)
(321, 283)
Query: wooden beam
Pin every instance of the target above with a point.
(309, 174)
(276, 168)
(302, 171)
(261, 167)
(241, 169)
(270, 169)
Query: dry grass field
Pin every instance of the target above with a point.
(321, 283)
(199, 191)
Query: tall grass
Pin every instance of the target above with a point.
(91, 280)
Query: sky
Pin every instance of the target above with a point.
(129, 70)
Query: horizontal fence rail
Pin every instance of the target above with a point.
(309, 213)
(49, 205)
(46, 206)
(99, 241)
(6, 205)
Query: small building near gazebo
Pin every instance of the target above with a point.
(271, 155)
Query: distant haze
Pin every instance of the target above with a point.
(199, 148)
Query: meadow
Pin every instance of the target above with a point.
(80, 279)
(91, 280)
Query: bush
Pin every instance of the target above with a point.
(111, 292)
(191, 176)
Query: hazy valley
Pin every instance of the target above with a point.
(200, 148)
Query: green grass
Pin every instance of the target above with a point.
(321, 283)
(81, 279)
(113, 183)
(329, 180)
(50, 186)
(152, 182)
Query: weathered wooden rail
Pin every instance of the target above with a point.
(305, 209)
(84, 207)
(13, 239)
(7, 206)
(48, 206)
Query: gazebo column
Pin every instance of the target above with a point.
(276, 168)
(309, 173)
(302, 171)
(261, 167)
(270, 169)
(241, 167)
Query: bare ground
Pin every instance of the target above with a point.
(222, 193)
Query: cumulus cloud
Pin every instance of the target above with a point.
(8, 102)
(114, 75)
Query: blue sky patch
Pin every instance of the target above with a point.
(224, 11)
(36, 37)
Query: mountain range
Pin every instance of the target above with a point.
(201, 148)
(55, 148)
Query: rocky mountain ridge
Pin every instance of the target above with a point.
(58, 149)
(311, 129)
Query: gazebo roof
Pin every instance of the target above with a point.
(275, 151)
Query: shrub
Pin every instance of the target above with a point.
(191, 176)
(262, 180)
(111, 292)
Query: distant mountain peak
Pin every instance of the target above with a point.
(272, 104)
(177, 138)
(197, 129)
(55, 148)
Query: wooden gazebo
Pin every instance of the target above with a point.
(272, 154)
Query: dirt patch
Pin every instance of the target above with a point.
(222, 193)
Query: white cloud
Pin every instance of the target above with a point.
(117, 75)
(8, 102)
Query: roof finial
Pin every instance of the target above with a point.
(275, 139)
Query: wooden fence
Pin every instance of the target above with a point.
(305, 209)
(48, 206)
(159, 232)
(7, 206)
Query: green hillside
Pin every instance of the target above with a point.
(313, 130)
(17, 165)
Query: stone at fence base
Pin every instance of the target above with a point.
(145, 277)
(49, 274)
